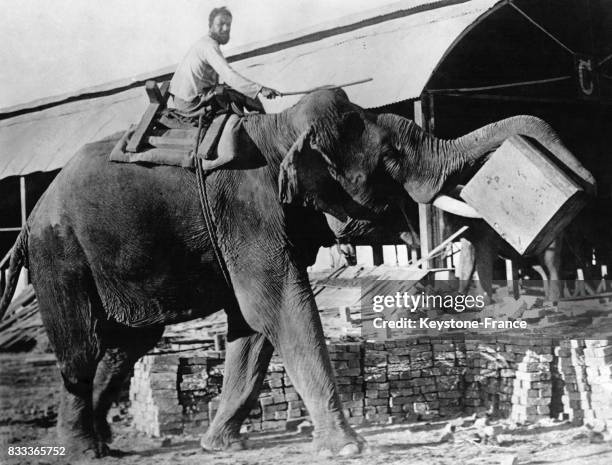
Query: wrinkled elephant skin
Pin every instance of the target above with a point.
(117, 251)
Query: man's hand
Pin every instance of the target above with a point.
(267, 92)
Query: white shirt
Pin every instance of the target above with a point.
(202, 67)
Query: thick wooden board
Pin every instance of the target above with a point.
(158, 98)
(523, 196)
(170, 142)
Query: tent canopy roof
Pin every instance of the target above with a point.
(405, 48)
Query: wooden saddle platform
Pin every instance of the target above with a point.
(163, 137)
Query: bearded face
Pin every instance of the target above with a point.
(220, 28)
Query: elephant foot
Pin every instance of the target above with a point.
(82, 449)
(342, 443)
(217, 442)
(487, 299)
(79, 450)
(104, 432)
(75, 441)
(102, 450)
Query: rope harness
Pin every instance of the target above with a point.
(205, 205)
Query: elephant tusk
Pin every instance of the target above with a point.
(456, 207)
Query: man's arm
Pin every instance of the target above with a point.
(228, 75)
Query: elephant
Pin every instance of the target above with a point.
(481, 245)
(116, 251)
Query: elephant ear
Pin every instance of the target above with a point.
(303, 152)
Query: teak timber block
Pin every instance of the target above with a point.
(524, 196)
(158, 98)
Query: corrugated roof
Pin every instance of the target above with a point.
(399, 54)
(46, 140)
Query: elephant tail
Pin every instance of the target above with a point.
(17, 260)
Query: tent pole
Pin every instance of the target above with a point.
(431, 220)
(24, 215)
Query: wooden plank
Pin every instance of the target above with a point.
(149, 116)
(153, 92)
(170, 143)
(425, 211)
(22, 196)
(442, 245)
(425, 231)
(512, 279)
(190, 134)
(24, 217)
(431, 220)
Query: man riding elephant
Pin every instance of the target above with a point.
(200, 70)
(195, 83)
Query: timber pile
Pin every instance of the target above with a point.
(450, 365)
(199, 383)
(509, 376)
(586, 373)
(419, 378)
(531, 398)
(349, 367)
(277, 401)
(154, 395)
(598, 362)
(572, 381)
(21, 328)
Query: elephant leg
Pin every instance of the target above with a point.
(286, 313)
(301, 344)
(125, 347)
(551, 261)
(246, 364)
(485, 258)
(467, 265)
(74, 426)
(66, 307)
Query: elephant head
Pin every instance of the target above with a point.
(353, 164)
(335, 168)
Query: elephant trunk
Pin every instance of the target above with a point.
(482, 141)
(428, 163)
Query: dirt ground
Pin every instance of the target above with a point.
(418, 443)
(29, 389)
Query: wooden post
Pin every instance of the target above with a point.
(512, 279)
(157, 98)
(431, 220)
(22, 189)
(24, 216)
(219, 342)
(377, 254)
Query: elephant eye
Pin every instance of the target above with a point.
(389, 152)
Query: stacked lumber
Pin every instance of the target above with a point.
(531, 398)
(199, 382)
(375, 364)
(274, 405)
(154, 396)
(413, 360)
(598, 362)
(481, 376)
(346, 361)
(22, 328)
(401, 380)
(449, 369)
(572, 381)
